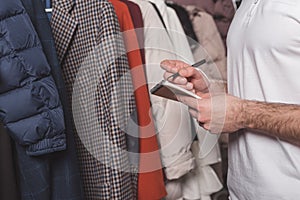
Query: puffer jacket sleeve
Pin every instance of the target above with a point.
(30, 107)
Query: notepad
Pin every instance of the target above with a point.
(169, 90)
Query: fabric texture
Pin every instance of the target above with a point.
(186, 23)
(9, 188)
(134, 60)
(264, 67)
(137, 20)
(37, 123)
(99, 87)
(48, 5)
(65, 181)
(138, 24)
(171, 118)
(175, 146)
(175, 31)
(171, 140)
(210, 44)
(199, 183)
(150, 183)
(221, 10)
(45, 176)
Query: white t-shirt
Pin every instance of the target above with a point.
(264, 65)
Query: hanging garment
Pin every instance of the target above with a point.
(150, 183)
(237, 3)
(65, 176)
(210, 43)
(214, 153)
(202, 182)
(48, 7)
(211, 48)
(221, 10)
(41, 176)
(176, 32)
(99, 86)
(186, 24)
(223, 13)
(134, 60)
(26, 78)
(171, 118)
(199, 183)
(178, 138)
(8, 183)
(137, 19)
(234, 2)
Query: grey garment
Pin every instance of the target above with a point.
(99, 88)
(9, 189)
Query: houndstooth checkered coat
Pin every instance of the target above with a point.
(95, 69)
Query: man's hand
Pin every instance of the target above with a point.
(190, 78)
(218, 113)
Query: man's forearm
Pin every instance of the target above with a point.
(280, 120)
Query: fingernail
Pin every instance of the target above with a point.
(189, 86)
(178, 98)
(182, 80)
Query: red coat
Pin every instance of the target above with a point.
(150, 184)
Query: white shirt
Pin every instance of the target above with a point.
(264, 65)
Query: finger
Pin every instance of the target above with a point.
(201, 124)
(177, 80)
(204, 95)
(169, 66)
(190, 71)
(194, 113)
(189, 101)
(167, 74)
(180, 81)
(188, 86)
(206, 126)
(200, 83)
(173, 65)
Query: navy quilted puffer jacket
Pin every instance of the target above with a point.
(30, 108)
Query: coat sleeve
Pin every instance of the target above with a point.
(30, 107)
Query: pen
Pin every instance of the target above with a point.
(197, 64)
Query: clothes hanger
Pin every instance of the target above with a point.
(48, 10)
(48, 5)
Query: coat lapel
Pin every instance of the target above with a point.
(63, 25)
